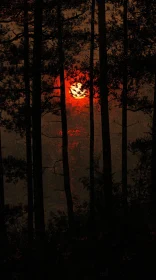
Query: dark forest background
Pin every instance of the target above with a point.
(112, 233)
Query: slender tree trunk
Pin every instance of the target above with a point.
(2, 218)
(3, 231)
(67, 186)
(153, 170)
(124, 112)
(36, 123)
(28, 124)
(92, 191)
(106, 146)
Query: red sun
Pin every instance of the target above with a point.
(77, 91)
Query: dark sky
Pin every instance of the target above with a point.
(78, 131)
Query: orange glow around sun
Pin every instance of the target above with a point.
(77, 96)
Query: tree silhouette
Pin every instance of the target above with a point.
(64, 123)
(124, 110)
(92, 195)
(106, 146)
(28, 124)
(36, 123)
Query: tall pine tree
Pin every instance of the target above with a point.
(36, 123)
(106, 145)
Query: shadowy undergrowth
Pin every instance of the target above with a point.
(79, 256)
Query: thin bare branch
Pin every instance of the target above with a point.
(18, 36)
(132, 124)
(53, 137)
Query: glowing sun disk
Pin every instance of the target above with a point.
(77, 91)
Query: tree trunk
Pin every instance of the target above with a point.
(92, 191)
(2, 216)
(2, 220)
(124, 112)
(106, 146)
(28, 124)
(153, 169)
(36, 123)
(64, 124)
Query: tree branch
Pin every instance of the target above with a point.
(74, 17)
(53, 137)
(18, 36)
